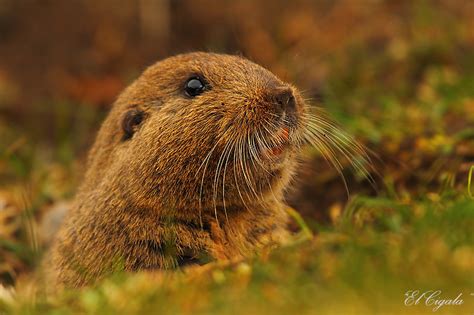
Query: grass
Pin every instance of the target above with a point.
(378, 250)
(412, 103)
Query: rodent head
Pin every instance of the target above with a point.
(201, 129)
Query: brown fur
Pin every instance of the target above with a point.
(141, 205)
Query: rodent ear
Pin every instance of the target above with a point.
(130, 122)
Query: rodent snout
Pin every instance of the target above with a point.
(283, 102)
(283, 99)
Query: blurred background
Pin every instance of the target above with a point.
(398, 75)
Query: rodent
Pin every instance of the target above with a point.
(190, 165)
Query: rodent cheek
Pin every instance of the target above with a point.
(170, 108)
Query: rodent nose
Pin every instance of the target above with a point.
(284, 99)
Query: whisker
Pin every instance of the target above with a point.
(216, 181)
(325, 133)
(235, 175)
(255, 158)
(358, 156)
(223, 181)
(243, 163)
(328, 155)
(206, 162)
(350, 156)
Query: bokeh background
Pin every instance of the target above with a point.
(398, 75)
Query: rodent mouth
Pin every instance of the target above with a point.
(276, 149)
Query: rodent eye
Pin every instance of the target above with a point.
(194, 86)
